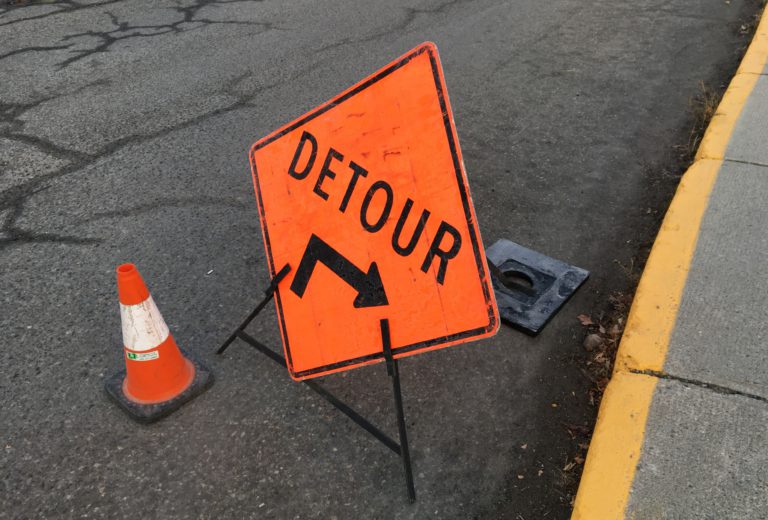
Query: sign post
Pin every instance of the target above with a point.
(370, 233)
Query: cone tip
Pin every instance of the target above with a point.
(126, 269)
(130, 285)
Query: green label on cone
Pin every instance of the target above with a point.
(143, 356)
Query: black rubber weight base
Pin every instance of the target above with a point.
(551, 282)
(148, 413)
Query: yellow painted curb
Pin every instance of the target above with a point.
(617, 442)
(615, 448)
(755, 58)
(720, 129)
(654, 309)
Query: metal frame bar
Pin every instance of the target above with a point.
(394, 372)
(269, 293)
(401, 449)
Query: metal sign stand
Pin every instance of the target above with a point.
(400, 449)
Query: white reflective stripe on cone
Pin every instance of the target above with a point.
(143, 326)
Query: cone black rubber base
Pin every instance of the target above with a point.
(148, 413)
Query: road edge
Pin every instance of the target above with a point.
(616, 444)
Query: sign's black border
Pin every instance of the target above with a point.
(449, 130)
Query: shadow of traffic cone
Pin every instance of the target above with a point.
(158, 377)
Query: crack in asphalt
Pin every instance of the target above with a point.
(65, 6)
(47, 146)
(124, 30)
(13, 234)
(16, 197)
(165, 202)
(11, 119)
(10, 233)
(190, 11)
(33, 49)
(13, 200)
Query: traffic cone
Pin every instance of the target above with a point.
(158, 377)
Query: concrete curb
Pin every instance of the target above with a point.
(616, 444)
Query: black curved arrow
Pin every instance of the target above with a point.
(370, 289)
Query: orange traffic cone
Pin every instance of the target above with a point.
(158, 378)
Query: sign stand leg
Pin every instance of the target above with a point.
(394, 373)
(269, 293)
(400, 449)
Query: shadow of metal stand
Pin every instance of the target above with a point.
(400, 448)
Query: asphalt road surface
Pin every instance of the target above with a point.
(124, 130)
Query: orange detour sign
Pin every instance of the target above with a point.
(365, 197)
